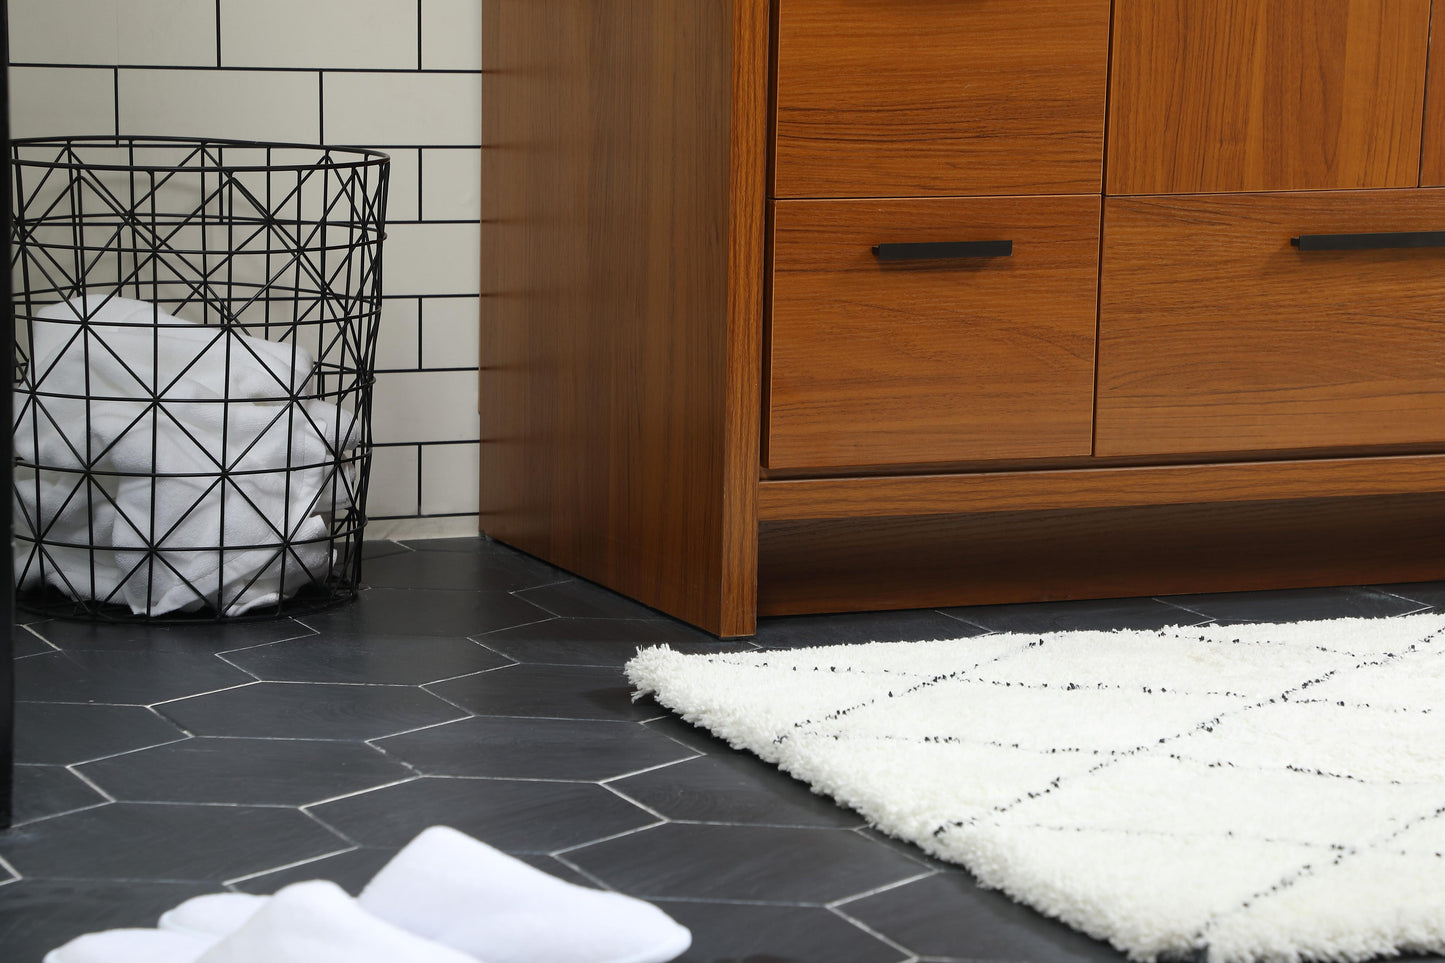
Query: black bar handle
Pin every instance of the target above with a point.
(935, 250)
(1368, 242)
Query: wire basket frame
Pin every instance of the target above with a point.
(196, 327)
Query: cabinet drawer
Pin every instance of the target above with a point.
(1217, 335)
(879, 362)
(937, 97)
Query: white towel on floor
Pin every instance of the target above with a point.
(164, 408)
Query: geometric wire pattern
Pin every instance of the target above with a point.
(195, 347)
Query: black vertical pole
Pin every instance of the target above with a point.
(7, 460)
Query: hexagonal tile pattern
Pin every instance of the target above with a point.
(555, 691)
(164, 842)
(950, 917)
(775, 934)
(304, 710)
(610, 642)
(391, 659)
(166, 637)
(512, 815)
(256, 772)
(733, 789)
(516, 748)
(752, 863)
(43, 791)
(37, 915)
(475, 686)
(63, 733)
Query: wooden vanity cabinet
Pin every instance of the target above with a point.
(809, 305)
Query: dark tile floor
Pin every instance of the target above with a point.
(478, 687)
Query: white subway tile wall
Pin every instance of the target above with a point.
(403, 76)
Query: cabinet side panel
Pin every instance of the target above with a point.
(612, 431)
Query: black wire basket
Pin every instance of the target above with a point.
(196, 328)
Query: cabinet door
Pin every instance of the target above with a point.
(1432, 161)
(1266, 95)
(908, 98)
(1218, 335)
(930, 360)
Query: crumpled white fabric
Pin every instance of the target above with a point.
(128, 499)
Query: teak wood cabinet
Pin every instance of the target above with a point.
(817, 305)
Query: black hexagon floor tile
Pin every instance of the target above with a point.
(555, 691)
(689, 735)
(253, 772)
(949, 916)
(511, 815)
(44, 791)
(25, 642)
(380, 548)
(122, 678)
(164, 842)
(468, 571)
(521, 748)
(752, 863)
(733, 788)
(387, 611)
(396, 660)
(1092, 614)
(60, 733)
(1426, 593)
(38, 915)
(578, 598)
(741, 932)
(350, 870)
(310, 710)
(599, 641)
(792, 631)
(1295, 605)
(163, 637)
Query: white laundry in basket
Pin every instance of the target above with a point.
(187, 470)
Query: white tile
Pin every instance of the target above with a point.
(451, 34)
(398, 343)
(166, 33)
(452, 184)
(433, 259)
(61, 100)
(391, 486)
(317, 34)
(403, 192)
(425, 406)
(63, 31)
(451, 336)
(449, 479)
(242, 104)
(404, 109)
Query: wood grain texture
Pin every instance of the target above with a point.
(1016, 491)
(1216, 335)
(619, 404)
(1432, 146)
(931, 361)
(1001, 557)
(1262, 95)
(920, 97)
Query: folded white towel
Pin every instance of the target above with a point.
(316, 922)
(164, 408)
(450, 888)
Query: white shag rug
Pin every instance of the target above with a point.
(1236, 793)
